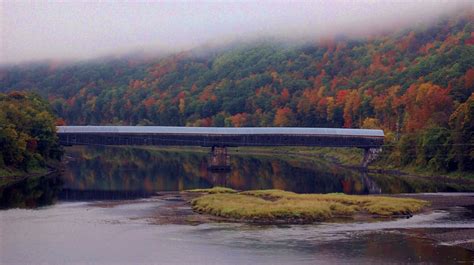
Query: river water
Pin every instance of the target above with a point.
(57, 220)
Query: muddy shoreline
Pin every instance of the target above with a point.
(461, 237)
(440, 201)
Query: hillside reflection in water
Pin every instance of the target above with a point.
(148, 171)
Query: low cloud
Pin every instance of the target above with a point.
(78, 30)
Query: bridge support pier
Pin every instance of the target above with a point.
(219, 159)
(370, 154)
(370, 185)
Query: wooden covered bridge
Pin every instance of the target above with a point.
(221, 138)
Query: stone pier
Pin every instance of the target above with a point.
(370, 154)
(219, 159)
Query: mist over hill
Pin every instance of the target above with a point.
(77, 30)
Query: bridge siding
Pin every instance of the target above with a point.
(219, 140)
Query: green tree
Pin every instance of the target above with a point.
(462, 136)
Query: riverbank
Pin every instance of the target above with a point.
(352, 158)
(10, 176)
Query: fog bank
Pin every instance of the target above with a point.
(78, 30)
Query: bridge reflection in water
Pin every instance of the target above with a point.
(221, 138)
(115, 170)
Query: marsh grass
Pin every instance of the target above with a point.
(283, 206)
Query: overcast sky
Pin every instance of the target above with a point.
(77, 30)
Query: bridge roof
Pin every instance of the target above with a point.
(220, 130)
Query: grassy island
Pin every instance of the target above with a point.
(277, 206)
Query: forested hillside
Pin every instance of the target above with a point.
(416, 84)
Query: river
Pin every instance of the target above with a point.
(62, 219)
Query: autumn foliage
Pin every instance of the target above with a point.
(27, 132)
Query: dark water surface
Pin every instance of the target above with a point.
(68, 228)
(127, 172)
